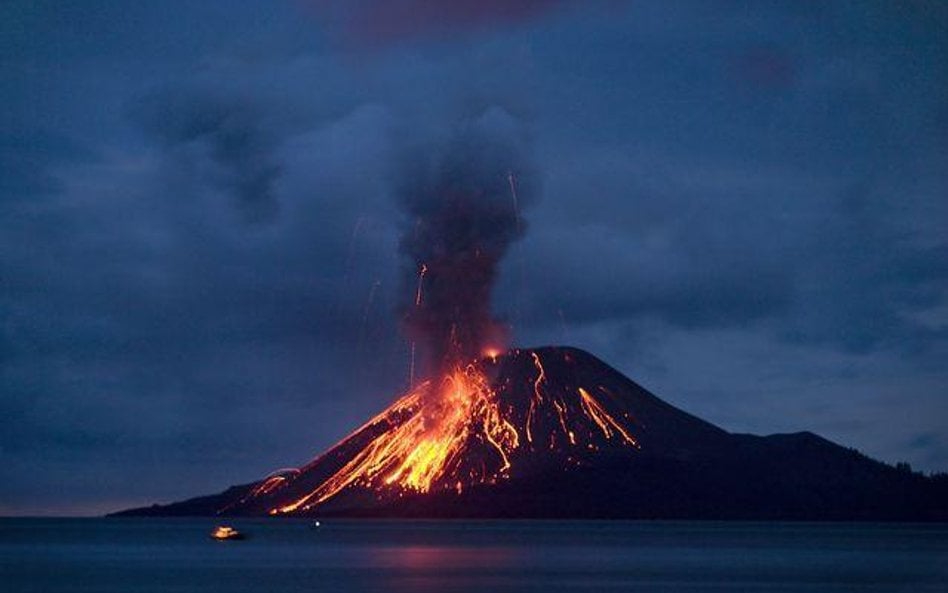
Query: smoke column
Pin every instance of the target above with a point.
(459, 223)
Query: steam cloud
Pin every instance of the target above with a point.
(461, 219)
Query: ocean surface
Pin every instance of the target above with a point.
(103, 555)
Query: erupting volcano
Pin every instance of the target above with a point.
(556, 433)
(496, 419)
(546, 432)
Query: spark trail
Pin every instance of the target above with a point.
(421, 279)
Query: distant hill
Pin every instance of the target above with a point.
(556, 433)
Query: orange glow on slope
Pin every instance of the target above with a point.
(275, 480)
(268, 485)
(449, 435)
(606, 422)
(422, 453)
(541, 376)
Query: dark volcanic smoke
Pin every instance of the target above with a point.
(461, 218)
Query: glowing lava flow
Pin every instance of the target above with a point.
(275, 480)
(453, 434)
(602, 418)
(537, 398)
(423, 451)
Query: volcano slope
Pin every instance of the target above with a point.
(556, 433)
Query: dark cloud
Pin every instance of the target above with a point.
(226, 139)
(840, 270)
(764, 67)
(659, 245)
(141, 313)
(861, 277)
(927, 449)
(377, 22)
(731, 214)
(26, 156)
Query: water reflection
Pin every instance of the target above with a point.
(440, 558)
(115, 556)
(440, 568)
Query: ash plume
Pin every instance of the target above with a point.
(461, 217)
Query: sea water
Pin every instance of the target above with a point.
(104, 555)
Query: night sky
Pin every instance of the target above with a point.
(742, 208)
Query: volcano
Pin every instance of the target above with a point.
(556, 433)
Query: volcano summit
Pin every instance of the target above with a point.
(555, 432)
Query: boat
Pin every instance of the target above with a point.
(226, 532)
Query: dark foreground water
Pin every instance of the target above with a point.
(105, 555)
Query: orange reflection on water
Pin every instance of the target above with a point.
(439, 558)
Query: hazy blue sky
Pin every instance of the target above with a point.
(741, 205)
